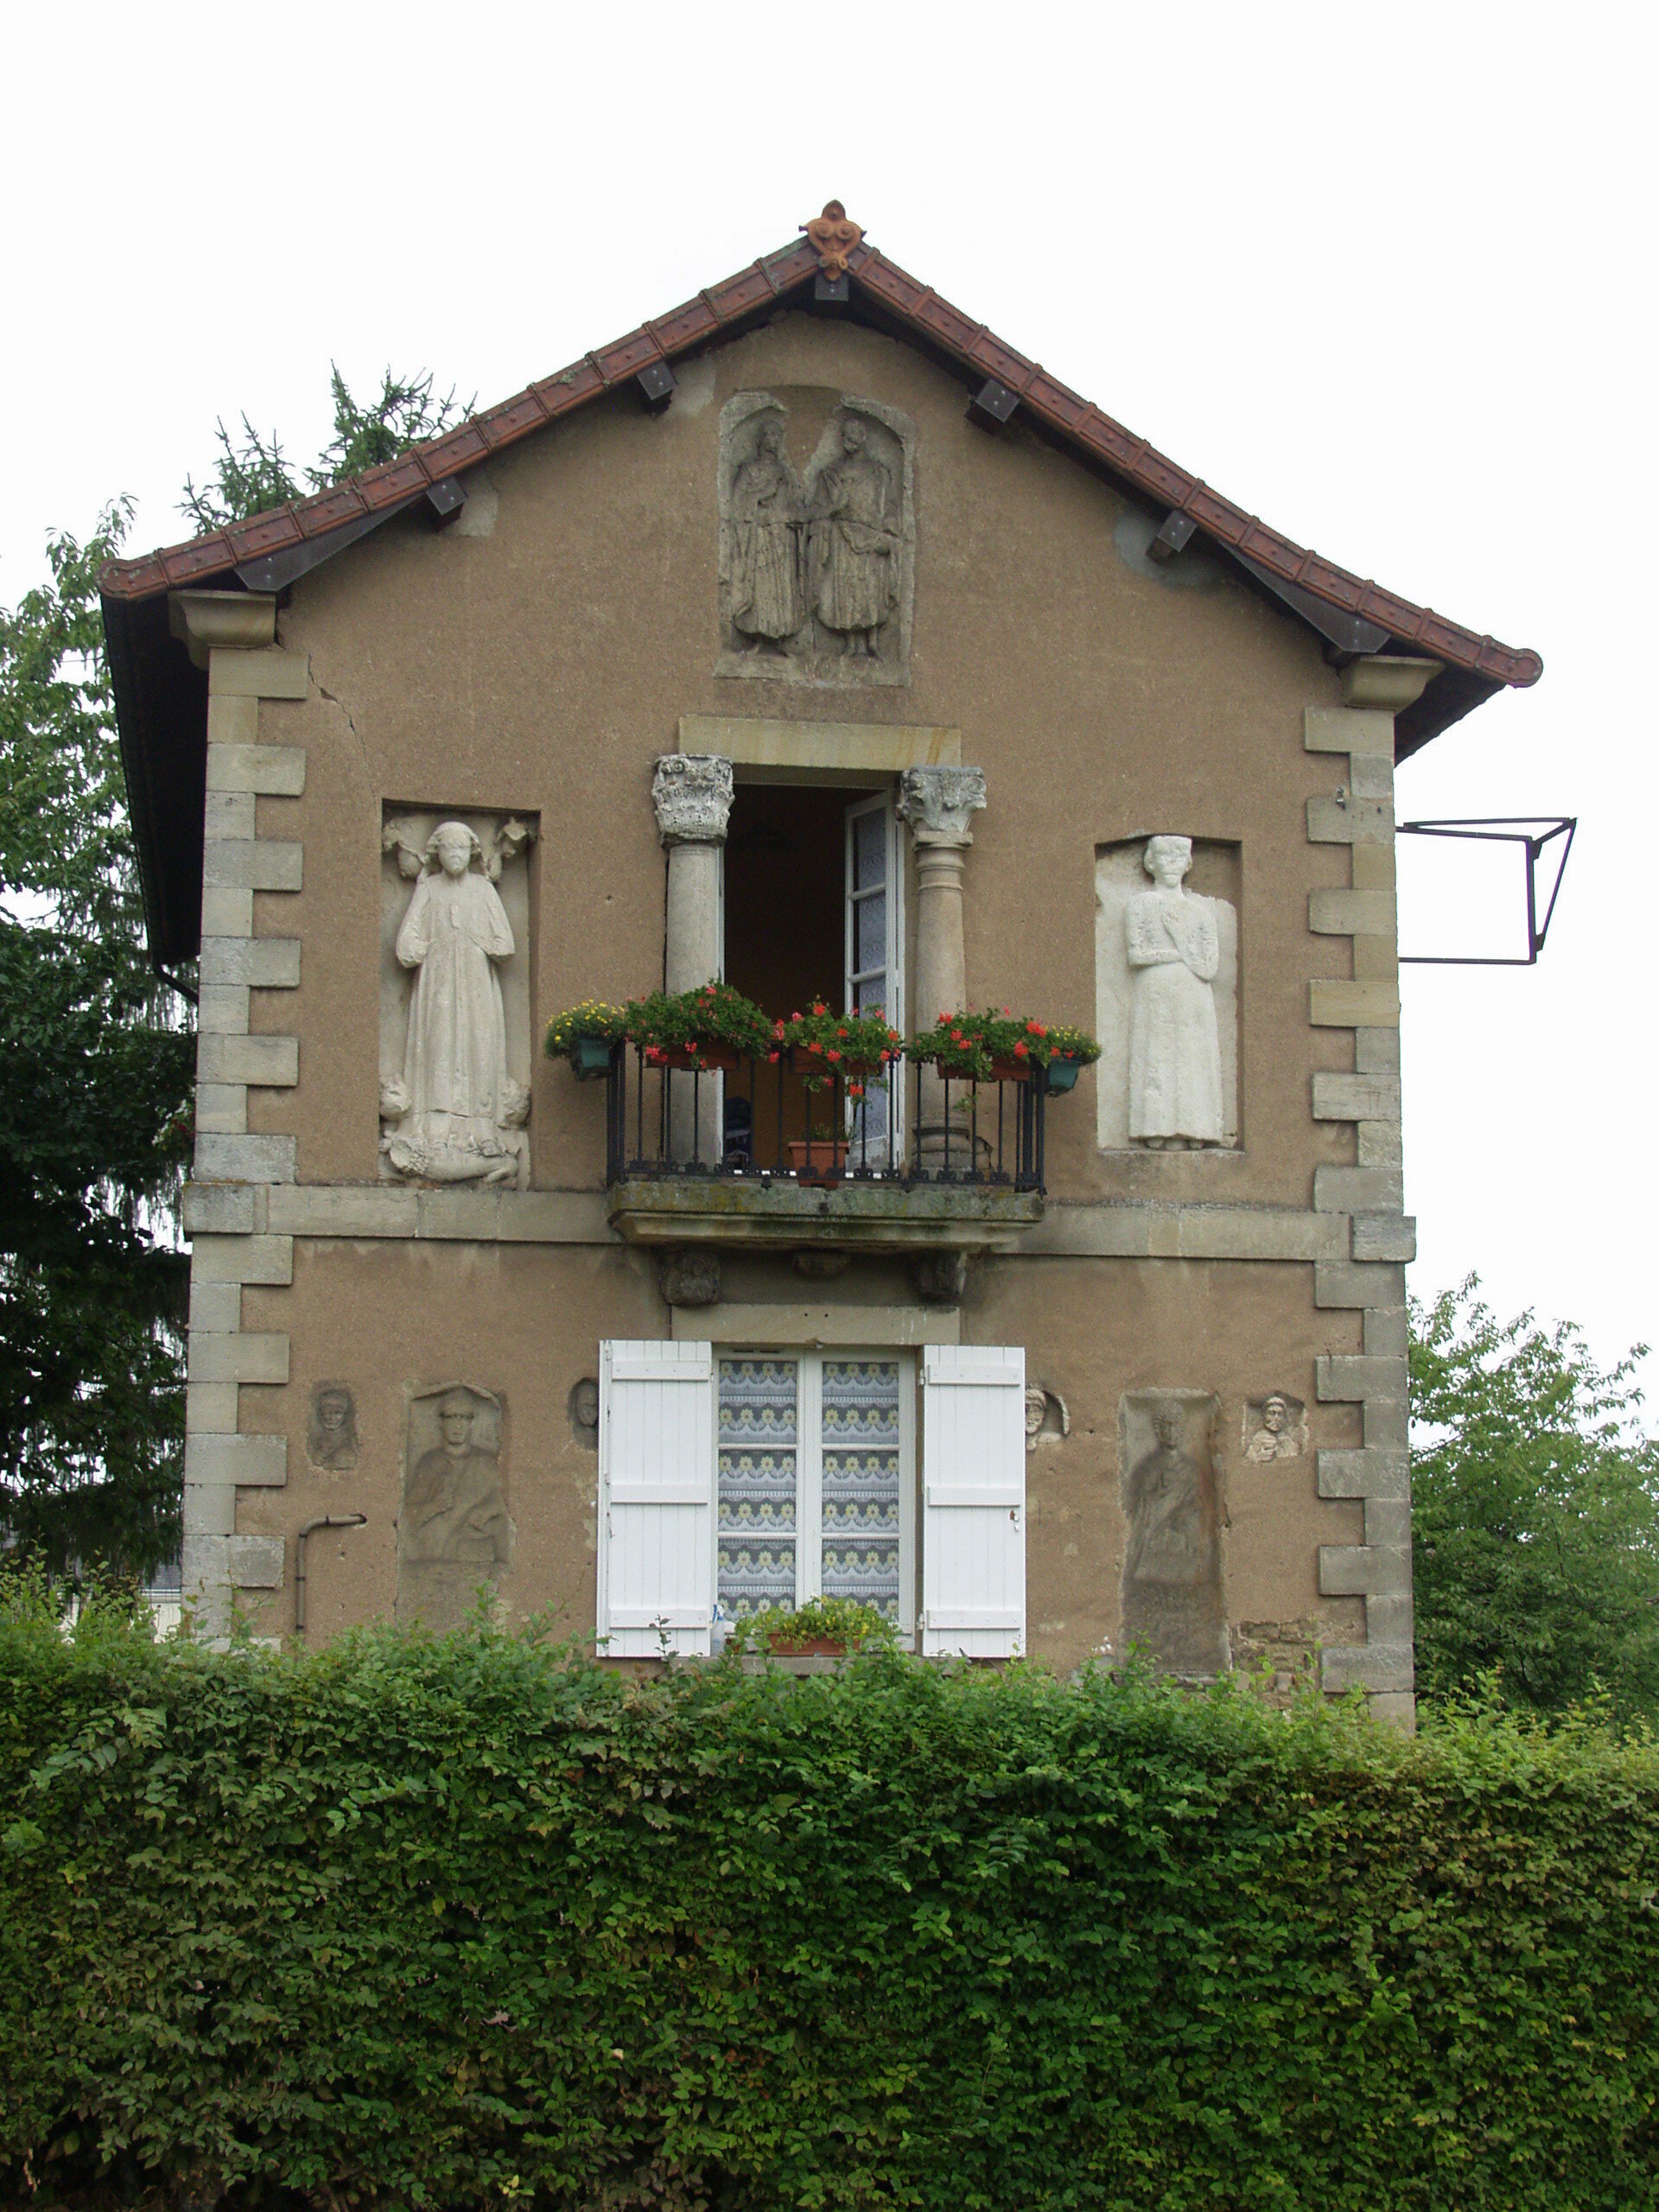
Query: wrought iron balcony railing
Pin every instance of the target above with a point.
(771, 1123)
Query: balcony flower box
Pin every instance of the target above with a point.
(584, 1036)
(707, 1057)
(992, 1047)
(818, 1159)
(824, 1047)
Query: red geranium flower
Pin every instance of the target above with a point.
(1035, 1029)
(772, 1056)
(832, 1054)
(1021, 1050)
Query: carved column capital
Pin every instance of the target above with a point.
(692, 794)
(938, 802)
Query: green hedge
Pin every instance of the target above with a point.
(474, 1922)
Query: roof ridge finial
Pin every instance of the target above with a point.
(834, 234)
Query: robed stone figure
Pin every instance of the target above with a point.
(457, 1110)
(766, 511)
(453, 1531)
(1172, 1579)
(1174, 951)
(854, 543)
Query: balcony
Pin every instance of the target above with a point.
(759, 1155)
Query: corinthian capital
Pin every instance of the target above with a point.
(692, 794)
(937, 803)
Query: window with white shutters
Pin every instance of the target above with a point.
(974, 1500)
(812, 1482)
(656, 1499)
(736, 1480)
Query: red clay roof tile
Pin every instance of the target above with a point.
(914, 306)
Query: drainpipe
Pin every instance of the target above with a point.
(327, 1521)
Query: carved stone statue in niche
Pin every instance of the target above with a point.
(816, 567)
(1174, 949)
(1172, 1567)
(768, 513)
(853, 545)
(1274, 1428)
(453, 1112)
(453, 1529)
(584, 1412)
(331, 1437)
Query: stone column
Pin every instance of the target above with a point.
(937, 802)
(692, 794)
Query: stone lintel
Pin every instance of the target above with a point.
(866, 748)
(807, 1326)
(786, 1215)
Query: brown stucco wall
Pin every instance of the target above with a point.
(544, 668)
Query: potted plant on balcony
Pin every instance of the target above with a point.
(823, 1047)
(1070, 1051)
(824, 1628)
(584, 1036)
(1005, 1047)
(706, 1029)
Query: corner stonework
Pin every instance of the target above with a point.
(232, 635)
(1382, 1237)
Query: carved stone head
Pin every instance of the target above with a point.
(1036, 1410)
(456, 1420)
(1276, 1415)
(1167, 860)
(454, 846)
(1170, 1427)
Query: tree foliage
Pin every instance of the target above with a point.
(474, 1923)
(95, 1111)
(92, 1112)
(1534, 1513)
(251, 473)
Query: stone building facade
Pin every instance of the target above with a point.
(811, 636)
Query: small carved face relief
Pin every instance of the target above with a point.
(455, 848)
(456, 1420)
(1273, 1428)
(1036, 1410)
(584, 1412)
(331, 1440)
(1170, 1426)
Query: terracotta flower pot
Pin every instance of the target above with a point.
(699, 1059)
(1011, 1071)
(828, 1158)
(813, 1647)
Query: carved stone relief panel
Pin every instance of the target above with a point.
(1047, 1419)
(1172, 1510)
(1167, 994)
(1275, 1427)
(331, 1434)
(817, 538)
(453, 1532)
(584, 1413)
(455, 997)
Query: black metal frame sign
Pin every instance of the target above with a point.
(1502, 829)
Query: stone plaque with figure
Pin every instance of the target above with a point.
(454, 1536)
(817, 537)
(1171, 1561)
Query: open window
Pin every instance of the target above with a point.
(812, 902)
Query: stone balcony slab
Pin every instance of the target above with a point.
(738, 1211)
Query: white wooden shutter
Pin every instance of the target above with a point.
(974, 1500)
(875, 952)
(656, 1499)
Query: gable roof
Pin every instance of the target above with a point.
(151, 682)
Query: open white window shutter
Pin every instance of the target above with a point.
(656, 1498)
(974, 1500)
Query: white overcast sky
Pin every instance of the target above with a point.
(1383, 276)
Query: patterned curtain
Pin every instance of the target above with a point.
(861, 1482)
(759, 1437)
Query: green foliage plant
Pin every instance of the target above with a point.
(1535, 1513)
(823, 1045)
(590, 1018)
(468, 1922)
(970, 1044)
(841, 1621)
(713, 1014)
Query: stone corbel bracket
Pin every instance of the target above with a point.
(231, 634)
(1381, 1238)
